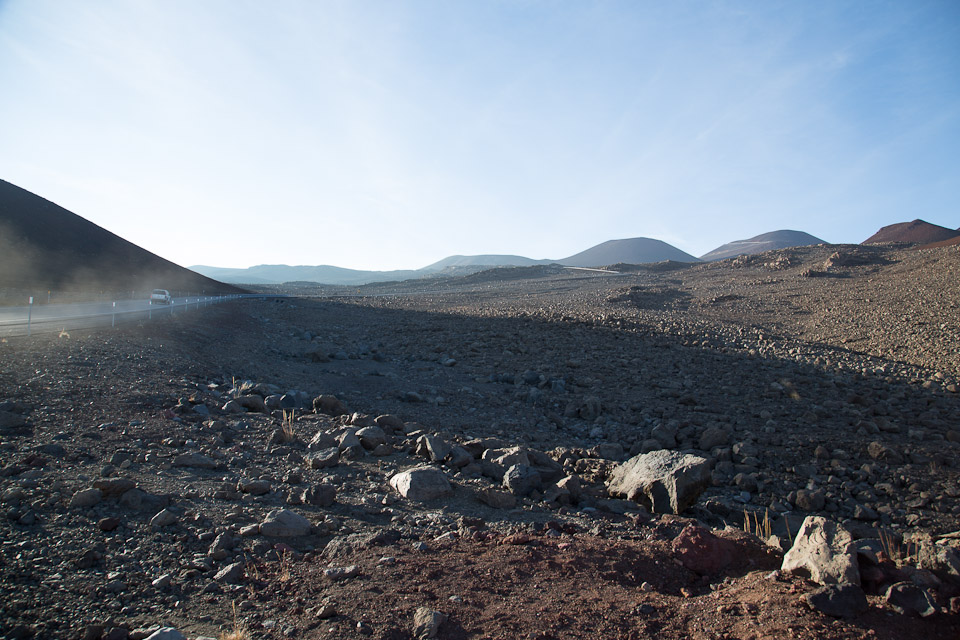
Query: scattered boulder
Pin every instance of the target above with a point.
(231, 574)
(164, 518)
(879, 451)
(824, 552)
(521, 480)
(662, 481)
(283, 523)
(838, 600)
(433, 447)
(86, 497)
(910, 599)
(458, 457)
(713, 437)
(114, 487)
(810, 500)
(421, 483)
(942, 561)
(371, 437)
(427, 622)
(329, 405)
(324, 459)
(322, 440)
(319, 495)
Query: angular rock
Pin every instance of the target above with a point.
(458, 457)
(342, 573)
(713, 437)
(823, 551)
(838, 600)
(421, 483)
(810, 500)
(521, 480)
(86, 497)
(390, 422)
(256, 487)
(371, 437)
(322, 440)
(319, 495)
(910, 599)
(433, 447)
(324, 459)
(879, 451)
(283, 523)
(114, 487)
(164, 518)
(942, 560)
(329, 405)
(662, 481)
(230, 574)
(427, 622)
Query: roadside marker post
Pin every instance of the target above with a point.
(29, 315)
(113, 318)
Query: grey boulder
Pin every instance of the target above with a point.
(283, 523)
(823, 551)
(662, 481)
(421, 483)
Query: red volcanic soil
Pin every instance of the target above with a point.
(943, 243)
(917, 231)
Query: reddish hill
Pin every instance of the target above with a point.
(44, 246)
(914, 232)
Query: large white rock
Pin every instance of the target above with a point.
(823, 551)
(421, 483)
(662, 481)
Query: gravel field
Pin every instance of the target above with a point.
(240, 469)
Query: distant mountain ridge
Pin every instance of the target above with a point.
(280, 273)
(627, 251)
(485, 260)
(44, 246)
(781, 239)
(916, 231)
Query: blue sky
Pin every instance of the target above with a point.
(381, 135)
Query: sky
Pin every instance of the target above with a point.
(388, 134)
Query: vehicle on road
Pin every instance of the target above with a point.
(160, 296)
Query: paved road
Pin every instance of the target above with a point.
(55, 317)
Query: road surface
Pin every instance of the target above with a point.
(45, 318)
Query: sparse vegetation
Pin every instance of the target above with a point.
(239, 631)
(752, 523)
(289, 435)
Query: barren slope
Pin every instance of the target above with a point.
(801, 359)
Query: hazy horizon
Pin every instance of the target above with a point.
(384, 136)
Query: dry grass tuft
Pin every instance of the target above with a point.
(289, 435)
(239, 631)
(763, 529)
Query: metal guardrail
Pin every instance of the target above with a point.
(22, 321)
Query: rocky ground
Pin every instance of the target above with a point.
(242, 469)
